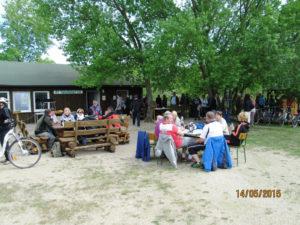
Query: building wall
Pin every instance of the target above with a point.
(83, 98)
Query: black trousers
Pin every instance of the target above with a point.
(2, 135)
(136, 116)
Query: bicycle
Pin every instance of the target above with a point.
(296, 121)
(22, 152)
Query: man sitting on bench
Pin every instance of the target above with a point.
(110, 115)
(44, 128)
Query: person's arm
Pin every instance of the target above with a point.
(203, 134)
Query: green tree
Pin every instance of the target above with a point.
(110, 39)
(25, 31)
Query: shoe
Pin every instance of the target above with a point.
(5, 162)
(196, 165)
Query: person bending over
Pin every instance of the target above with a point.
(44, 128)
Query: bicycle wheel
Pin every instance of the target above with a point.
(24, 153)
(295, 122)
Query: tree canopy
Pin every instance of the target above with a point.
(199, 46)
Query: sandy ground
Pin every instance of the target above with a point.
(98, 187)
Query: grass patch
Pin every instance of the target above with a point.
(275, 138)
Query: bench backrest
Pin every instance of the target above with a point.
(85, 128)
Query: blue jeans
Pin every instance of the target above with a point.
(51, 138)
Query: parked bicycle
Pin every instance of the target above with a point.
(296, 121)
(22, 152)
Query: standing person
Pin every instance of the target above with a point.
(294, 107)
(136, 110)
(212, 103)
(204, 105)
(44, 128)
(248, 106)
(5, 120)
(127, 105)
(164, 101)
(174, 100)
(120, 105)
(158, 102)
(238, 104)
(95, 109)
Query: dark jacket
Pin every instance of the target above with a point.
(248, 105)
(5, 118)
(136, 105)
(44, 124)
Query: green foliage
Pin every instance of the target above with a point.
(25, 31)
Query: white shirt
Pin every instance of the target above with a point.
(225, 126)
(213, 129)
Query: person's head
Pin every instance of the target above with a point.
(67, 111)
(135, 97)
(52, 112)
(109, 109)
(3, 102)
(174, 93)
(95, 102)
(242, 117)
(158, 96)
(164, 96)
(210, 117)
(174, 114)
(247, 97)
(47, 112)
(80, 111)
(168, 117)
(159, 118)
(219, 115)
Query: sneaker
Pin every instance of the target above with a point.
(5, 162)
(196, 165)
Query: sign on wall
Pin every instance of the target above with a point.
(68, 92)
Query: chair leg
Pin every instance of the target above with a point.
(237, 156)
(244, 153)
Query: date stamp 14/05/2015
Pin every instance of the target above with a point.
(258, 193)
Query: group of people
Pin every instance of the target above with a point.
(216, 126)
(45, 124)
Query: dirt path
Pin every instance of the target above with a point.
(104, 188)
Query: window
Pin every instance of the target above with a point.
(5, 94)
(21, 100)
(39, 99)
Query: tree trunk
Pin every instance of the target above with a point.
(149, 114)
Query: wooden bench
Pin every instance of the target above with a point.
(97, 133)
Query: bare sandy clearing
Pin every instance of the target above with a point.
(98, 187)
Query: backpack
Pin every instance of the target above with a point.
(56, 150)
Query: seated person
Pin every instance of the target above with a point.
(242, 127)
(79, 114)
(159, 120)
(211, 129)
(44, 128)
(176, 119)
(110, 114)
(168, 127)
(53, 116)
(80, 117)
(67, 116)
(220, 119)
